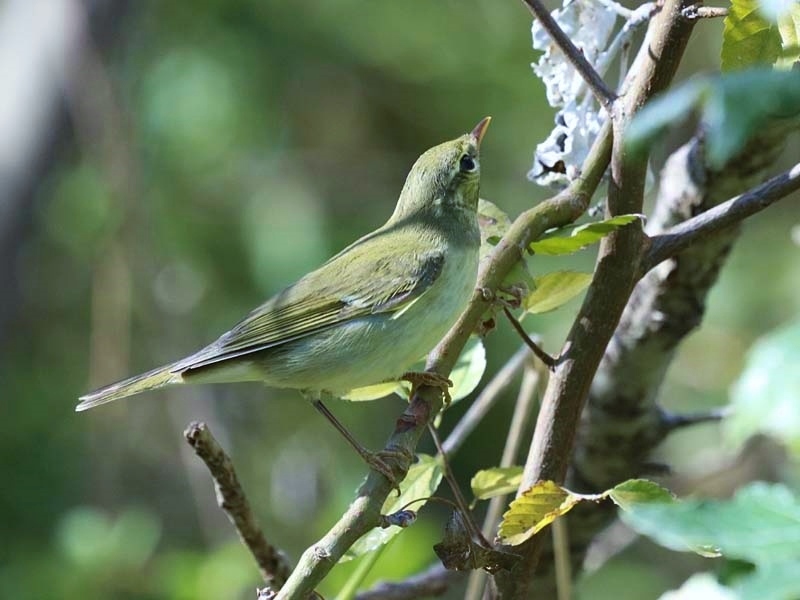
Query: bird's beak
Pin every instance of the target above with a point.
(480, 130)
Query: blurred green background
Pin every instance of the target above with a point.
(242, 144)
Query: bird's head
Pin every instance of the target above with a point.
(445, 179)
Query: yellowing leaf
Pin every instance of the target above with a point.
(554, 290)
(466, 375)
(498, 481)
(535, 509)
(373, 392)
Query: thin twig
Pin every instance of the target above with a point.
(604, 95)
(433, 582)
(231, 498)
(698, 11)
(540, 354)
(485, 400)
(562, 559)
(724, 215)
(461, 502)
(523, 408)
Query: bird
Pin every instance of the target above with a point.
(367, 314)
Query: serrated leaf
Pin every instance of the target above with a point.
(535, 509)
(554, 290)
(498, 481)
(633, 492)
(748, 38)
(765, 397)
(580, 237)
(731, 113)
(760, 524)
(422, 480)
(466, 375)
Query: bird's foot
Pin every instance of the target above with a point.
(419, 378)
(383, 460)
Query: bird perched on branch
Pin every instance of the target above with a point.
(365, 316)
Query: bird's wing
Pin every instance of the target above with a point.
(354, 284)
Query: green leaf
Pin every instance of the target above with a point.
(466, 375)
(554, 290)
(748, 38)
(581, 236)
(498, 481)
(777, 580)
(422, 480)
(730, 111)
(469, 369)
(760, 524)
(633, 492)
(765, 397)
(493, 224)
(535, 509)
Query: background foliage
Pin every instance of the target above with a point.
(257, 138)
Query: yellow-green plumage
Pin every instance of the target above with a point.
(369, 312)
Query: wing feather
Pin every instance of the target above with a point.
(364, 284)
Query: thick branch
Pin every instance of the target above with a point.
(722, 216)
(615, 276)
(604, 95)
(231, 498)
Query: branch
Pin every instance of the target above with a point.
(722, 216)
(623, 422)
(605, 96)
(614, 278)
(231, 498)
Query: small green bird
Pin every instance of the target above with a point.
(367, 314)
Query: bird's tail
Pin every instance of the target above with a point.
(151, 380)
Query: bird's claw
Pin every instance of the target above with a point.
(420, 378)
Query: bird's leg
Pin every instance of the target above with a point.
(375, 460)
(418, 378)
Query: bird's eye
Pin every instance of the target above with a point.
(467, 164)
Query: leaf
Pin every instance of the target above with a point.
(535, 509)
(459, 551)
(555, 289)
(748, 38)
(731, 113)
(422, 480)
(760, 524)
(789, 27)
(498, 481)
(765, 397)
(493, 224)
(581, 236)
(469, 369)
(633, 492)
(466, 375)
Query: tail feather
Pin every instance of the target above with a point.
(151, 380)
